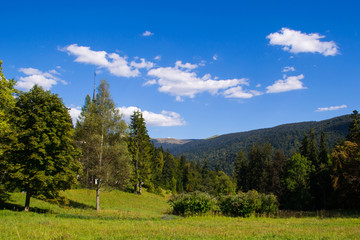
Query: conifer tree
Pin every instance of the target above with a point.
(354, 130)
(140, 150)
(241, 168)
(44, 156)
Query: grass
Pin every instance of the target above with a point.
(129, 216)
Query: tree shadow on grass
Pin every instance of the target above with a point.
(19, 208)
(74, 204)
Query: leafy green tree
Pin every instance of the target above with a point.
(7, 131)
(101, 134)
(223, 184)
(140, 150)
(346, 174)
(44, 156)
(296, 181)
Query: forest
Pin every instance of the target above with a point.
(42, 153)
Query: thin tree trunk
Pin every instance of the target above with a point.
(136, 188)
(27, 200)
(140, 187)
(99, 179)
(98, 196)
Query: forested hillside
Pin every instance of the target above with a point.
(222, 150)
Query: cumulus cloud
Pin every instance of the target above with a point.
(288, 69)
(147, 33)
(74, 113)
(215, 57)
(113, 62)
(297, 42)
(34, 76)
(239, 92)
(332, 108)
(288, 84)
(142, 64)
(163, 119)
(180, 81)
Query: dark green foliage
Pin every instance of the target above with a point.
(241, 175)
(140, 149)
(297, 182)
(354, 130)
(346, 174)
(245, 204)
(223, 149)
(44, 157)
(195, 203)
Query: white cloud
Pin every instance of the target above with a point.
(142, 64)
(74, 113)
(158, 57)
(113, 62)
(189, 66)
(332, 108)
(297, 42)
(163, 119)
(147, 33)
(239, 92)
(288, 84)
(185, 83)
(34, 76)
(215, 57)
(288, 69)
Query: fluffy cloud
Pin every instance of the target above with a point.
(147, 33)
(239, 92)
(163, 119)
(288, 69)
(181, 81)
(288, 84)
(332, 108)
(74, 113)
(297, 42)
(158, 57)
(113, 62)
(34, 76)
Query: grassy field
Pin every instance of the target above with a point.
(127, 216)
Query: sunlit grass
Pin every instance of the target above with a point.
(129, 216)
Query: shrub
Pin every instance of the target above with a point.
(195, 203)
(245, 204)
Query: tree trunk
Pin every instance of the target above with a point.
(27, 200)
(140, 187)
(136, 188)
(98, 196)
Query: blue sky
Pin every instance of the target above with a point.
(195, 68)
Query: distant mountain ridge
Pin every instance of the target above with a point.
(223, 149)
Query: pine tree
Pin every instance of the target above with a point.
(324, 174)
(354, 130)
(44, 155)
(241, 168)
(101, 134)
(140, 150)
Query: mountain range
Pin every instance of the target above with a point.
(222, 150)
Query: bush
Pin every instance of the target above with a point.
(195, 203)
(245, 204)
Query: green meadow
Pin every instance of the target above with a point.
(129, 216)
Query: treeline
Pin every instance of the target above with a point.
(223, 149)
(311, 179)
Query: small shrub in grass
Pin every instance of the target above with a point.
(245, 204)
(195, 203)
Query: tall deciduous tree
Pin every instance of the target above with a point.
(101, 134)
(140, 150)
(7, 132)
(44, 156)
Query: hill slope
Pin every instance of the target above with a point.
(223, 149)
